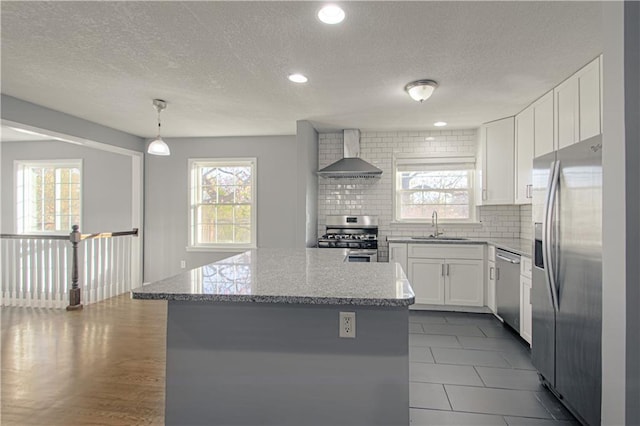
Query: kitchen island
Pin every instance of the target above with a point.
(254, 339)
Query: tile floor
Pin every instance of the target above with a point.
(469, 369)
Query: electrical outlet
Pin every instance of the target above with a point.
(183, 264)
(348, 324)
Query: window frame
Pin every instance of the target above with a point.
(440, 162)
(192, 191)
(21, 217)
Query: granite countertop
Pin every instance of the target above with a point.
(519, 246)
(302, 276)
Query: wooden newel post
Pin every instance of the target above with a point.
(74, 291)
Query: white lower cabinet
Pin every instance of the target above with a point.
(446, 274)
(463, 282)
(398, 253)
(491, 278)
(525, 308)
(491, 286)
(427, 279)
(525, 299)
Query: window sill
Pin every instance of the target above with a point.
(227, 249)
(463, 224)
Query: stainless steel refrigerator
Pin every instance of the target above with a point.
(567, 276)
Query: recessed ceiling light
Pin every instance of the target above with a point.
(439, 123)
(331, 14)
(298, 78)
(429, 138)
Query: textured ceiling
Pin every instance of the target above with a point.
(222, 66)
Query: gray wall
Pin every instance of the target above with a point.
(284, 364)
(106, 183)
(307, 146)
(24, 112)
(620, 322)
(166, 198)
(632, 146)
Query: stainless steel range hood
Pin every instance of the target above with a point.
(351, 166)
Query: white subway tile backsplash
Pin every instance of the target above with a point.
(526, 222)
(375, 197)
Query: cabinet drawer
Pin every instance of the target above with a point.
(491, 253)
(525, 267)
(446, 251)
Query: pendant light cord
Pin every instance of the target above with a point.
(159, 110)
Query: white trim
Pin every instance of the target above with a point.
(137, 209)
(221, 248)
(72, 139)
(221, 161)
(137, 218)
(445, 158)
(18, 165)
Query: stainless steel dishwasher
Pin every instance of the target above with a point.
(508, 287)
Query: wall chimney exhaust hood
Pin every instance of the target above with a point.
(351, 166)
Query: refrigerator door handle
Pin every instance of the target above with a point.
(547, 225)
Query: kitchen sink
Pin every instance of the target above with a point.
(440, 238)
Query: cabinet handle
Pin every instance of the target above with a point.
(529, 191)
(447, 269)
(497, 273)
(442, 269)
(492, 272)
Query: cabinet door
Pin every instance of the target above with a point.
(464, 282)
(525, 308)
(589, 100)
(543, 141)
(398, 253)
(498, 164)
(481, 181)
(427, 280)
(566, 110)
(524, 156)
(491, 286)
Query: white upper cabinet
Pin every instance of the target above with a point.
(534, 137)
(578, 106)
(543, 140)
(589, 100)
(566, 103)
(496, 162)
(524, 155)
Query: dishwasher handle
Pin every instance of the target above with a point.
(507, 259)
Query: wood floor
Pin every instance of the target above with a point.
(103, 365)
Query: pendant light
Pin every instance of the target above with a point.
(158, 146)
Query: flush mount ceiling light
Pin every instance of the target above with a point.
(298, 78)
(158, 146)
(331, 14)
(440, 123)
(429, 138)
(421, 90)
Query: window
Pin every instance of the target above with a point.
(48, 196)
(444, 184)
(222, 203)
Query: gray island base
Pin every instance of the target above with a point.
(254, 340)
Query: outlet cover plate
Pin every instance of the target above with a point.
(347, 325)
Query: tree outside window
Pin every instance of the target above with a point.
(48, 195)
(425, 185)
(222, 203)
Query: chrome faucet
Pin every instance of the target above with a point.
(434, 222)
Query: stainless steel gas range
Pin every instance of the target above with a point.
(357, 233)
